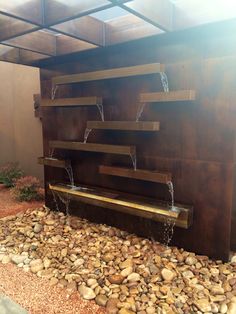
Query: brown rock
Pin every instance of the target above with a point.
(101, 299)
(116, 279)
(111, 306)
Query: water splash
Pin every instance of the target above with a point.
(65, 201)
(100, 109)
(171, 191)
(164, 82)
(134, 160)
(168, 233)
(55, 200)
(51, 152)
(86, 134)
(53, 91)
(140, 111)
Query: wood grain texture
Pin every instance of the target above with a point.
(179, 95)
(93, 147)
(70, 102)
(139, 174)
(109, 74)
(124, 125)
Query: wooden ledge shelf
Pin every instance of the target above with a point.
(138, 174)
(94, 147)
(178, 95)
(71, 102)
(143, 69)
(124, 125)
(53, 162)
(128, 204)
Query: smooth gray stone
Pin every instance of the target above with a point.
(7, 306)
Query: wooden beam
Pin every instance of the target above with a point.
(12, 27)
(109, 74)
(61, 11)
(71, 102)
(178, 95)
(53, 162)
(138, 174)
(126, 28)
(39, 41)
(124, 125)
(128, 204)
(157, 12)
(66, 44)
(94, 147)
(86, 28)
(28, 11)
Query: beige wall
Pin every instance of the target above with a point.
(20, 131)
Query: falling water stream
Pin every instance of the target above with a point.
(169, 223)
(86, 134)
(53, 91)
(164, 82)
(134, 160)
(140, 111)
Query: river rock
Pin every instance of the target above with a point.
(86, 292)
(116, 279)
(127, 263)
(190, 260)
(18, 259)
(126, 272)
(167, 274)
(125, 311)
(111, 306)
(38, 228)
(133, 277)
(36, 265)
(108, 257)
(6, 259)
(223, 308)
(101, 299)
(203, 305)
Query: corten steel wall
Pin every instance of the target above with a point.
(20, 131)
(196, 142)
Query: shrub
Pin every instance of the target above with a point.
(9, 173)
(27, 189)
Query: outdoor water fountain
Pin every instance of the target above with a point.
(169, 214)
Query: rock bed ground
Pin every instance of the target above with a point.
(120, 271)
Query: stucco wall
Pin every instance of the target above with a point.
(20, 131)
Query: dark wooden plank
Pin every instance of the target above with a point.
(182, 216)
(71, 102)
(53, 162)
(139, 174)
(94, 147)
(124, 125)
(178, 95)
(109, 74)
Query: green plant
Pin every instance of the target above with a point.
(9, 173)
(27, 189)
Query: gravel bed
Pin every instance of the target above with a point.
(123, 273)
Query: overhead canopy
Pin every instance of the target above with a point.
(32, 30)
